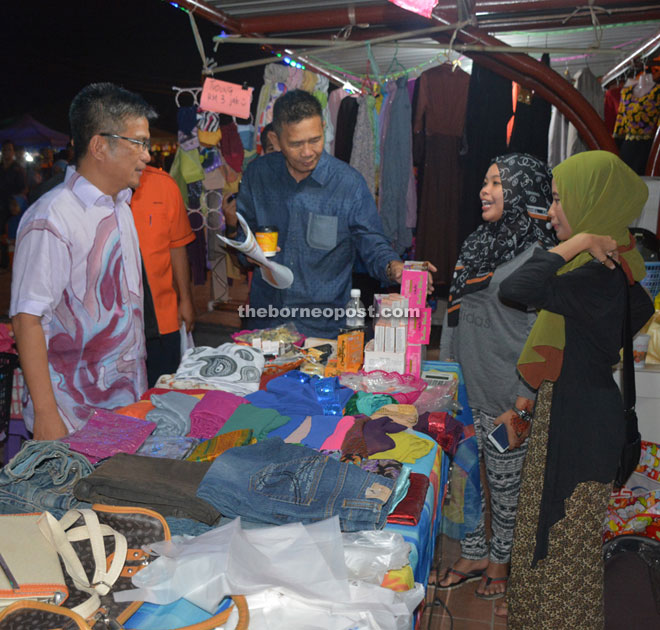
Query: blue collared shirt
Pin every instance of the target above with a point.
(323, 221)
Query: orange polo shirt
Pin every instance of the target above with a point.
(162, 224)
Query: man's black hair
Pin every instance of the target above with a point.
(263, 136)
(294, 106)
(103, 107)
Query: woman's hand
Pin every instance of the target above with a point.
(507, 419)
(517, 429)
(604, 249)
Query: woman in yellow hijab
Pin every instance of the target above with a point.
(577, 435)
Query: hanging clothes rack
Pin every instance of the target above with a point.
(644, 51)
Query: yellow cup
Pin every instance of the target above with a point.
(266, 236)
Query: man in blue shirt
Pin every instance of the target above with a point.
(324, 214)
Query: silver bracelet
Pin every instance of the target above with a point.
(523, 414)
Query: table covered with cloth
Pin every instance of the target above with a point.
(319, 431)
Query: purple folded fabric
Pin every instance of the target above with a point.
(211, 412)
(107, 433)
(375, 434)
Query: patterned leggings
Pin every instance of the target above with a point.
(503, 476)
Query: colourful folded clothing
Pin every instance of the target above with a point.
(164, 390)
(212, 411)
(172, 413)
(354, 447)
(107, 433)
(443, 428)
(296, 396)
(377, 434)
(408, 511)
(405, 415)
(173, 447)
(335, 439)
(261, 421)
(293, 429)
(208, 450)
(386, 467)
(409, 448)
(138, 409)
(366, 403)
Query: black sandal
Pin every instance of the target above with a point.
(464, 578)
(489, 581)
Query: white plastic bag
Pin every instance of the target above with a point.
(186, 339)
(307, 559)
(370, 554)
(369, 607)
(294, 576)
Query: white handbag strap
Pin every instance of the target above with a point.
(61, 534)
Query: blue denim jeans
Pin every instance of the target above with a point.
(41, 477)
(275, 482)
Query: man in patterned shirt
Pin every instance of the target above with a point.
(76, 301)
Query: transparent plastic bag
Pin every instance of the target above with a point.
(441, 397)
(406, 388)
(229, 559)
(369, 555)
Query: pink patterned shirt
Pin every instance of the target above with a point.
(77, 265)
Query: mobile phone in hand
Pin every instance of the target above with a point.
(500, 438)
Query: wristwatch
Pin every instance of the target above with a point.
(523, 413)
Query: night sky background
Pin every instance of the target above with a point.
(50, 49)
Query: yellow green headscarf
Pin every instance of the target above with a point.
(600, 195)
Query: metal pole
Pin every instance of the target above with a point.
(347, 45)
(648, 47)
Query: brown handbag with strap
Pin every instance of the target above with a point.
(88, 542)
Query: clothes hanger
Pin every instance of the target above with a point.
(396, 63)
(194, 92)
(367, 85)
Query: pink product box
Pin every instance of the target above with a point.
(419, 328)
(413, 286)
(413, 359)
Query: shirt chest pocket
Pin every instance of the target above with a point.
(322, 231)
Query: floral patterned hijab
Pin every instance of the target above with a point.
(526, 186)
(601, 195)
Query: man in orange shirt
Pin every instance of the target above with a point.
(164, 231)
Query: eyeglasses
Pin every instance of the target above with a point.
(145, 145)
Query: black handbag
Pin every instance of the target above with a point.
(632, 448)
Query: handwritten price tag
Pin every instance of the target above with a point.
(226, 98)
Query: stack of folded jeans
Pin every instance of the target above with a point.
(167, 486)
(41, 477)
(275, 482)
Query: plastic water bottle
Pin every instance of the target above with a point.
(355, 310)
